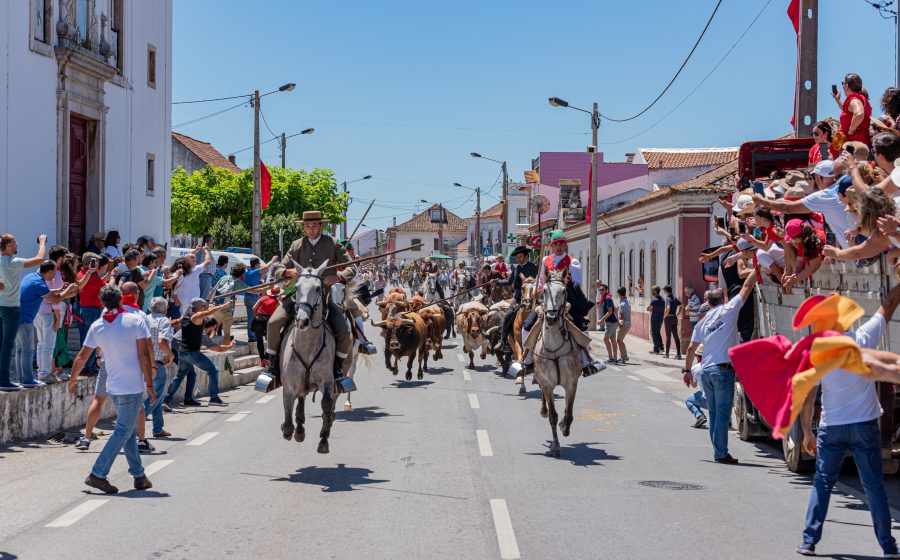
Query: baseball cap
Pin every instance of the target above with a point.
(743, 245)
(793, 229)
(844, 183)
(824, 168)
(742, 201)
(198, 302)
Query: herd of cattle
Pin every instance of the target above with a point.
(411, 328)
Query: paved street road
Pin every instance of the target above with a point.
(449, 467)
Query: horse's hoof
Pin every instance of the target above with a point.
(286, 431)
(564, 430)
(409, 376)
(348, 407)
(300, 434)
(483, 356)
(420, 376)
(553, 453)
(522, 390)
(323, 446)
(544, 413)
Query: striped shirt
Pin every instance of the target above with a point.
(160, 329)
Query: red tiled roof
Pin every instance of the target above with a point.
(206, 152)
(422, 222)
(494, 210)
(677, 158)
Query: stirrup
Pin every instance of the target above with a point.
(265, 382)
(344, 385)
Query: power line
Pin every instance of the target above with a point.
(198, 119)
(210, 100)
(680, 103)
(265, 122)
(883, 7)
(675, 77)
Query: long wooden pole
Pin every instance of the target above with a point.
(357, 261)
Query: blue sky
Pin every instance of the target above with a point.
(405, 90)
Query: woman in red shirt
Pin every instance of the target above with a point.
(822, 135)
(93, 276)
(856, 112)
(263, 309)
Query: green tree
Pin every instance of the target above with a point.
(199, 198)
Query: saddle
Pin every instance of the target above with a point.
(580, 338)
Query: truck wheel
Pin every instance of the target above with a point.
(797, 460)
(740, 419)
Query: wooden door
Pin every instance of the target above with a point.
(78, 164)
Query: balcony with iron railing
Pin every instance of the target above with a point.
(82, 32)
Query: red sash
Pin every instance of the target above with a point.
(563, 262)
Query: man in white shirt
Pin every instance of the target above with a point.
(718, 332)
(849, 422)
(125, 341)
(826, 200)
(188, 287)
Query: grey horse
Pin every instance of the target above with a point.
(556, 358)
(307, 354)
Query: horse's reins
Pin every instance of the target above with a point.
(566, 338)
(321, 325)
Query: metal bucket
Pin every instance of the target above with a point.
(264, 383)
(345, 384)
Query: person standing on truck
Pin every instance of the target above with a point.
(717, 332)
(849, 422)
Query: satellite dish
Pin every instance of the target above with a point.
(540, 204)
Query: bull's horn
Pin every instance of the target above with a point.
(379, 324)
(490, 331)
(408, 321)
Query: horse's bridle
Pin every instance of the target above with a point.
(312, 308)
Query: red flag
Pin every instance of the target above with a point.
(265, 184)
(588, 215)
(793, 12)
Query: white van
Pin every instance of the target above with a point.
(240, 312)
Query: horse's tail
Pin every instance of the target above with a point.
(367, 359)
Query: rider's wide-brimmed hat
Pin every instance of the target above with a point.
(311, 217)
(520, 250)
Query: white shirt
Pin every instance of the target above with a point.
(574, 270)
(118, 340)
(774, 254)
(848, 398)
(827, 202)
(188, 288)
(717, 331)
(697, 373)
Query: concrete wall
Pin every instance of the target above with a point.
(404, 239)
(138, 120)
(36, 412)
(185, 158)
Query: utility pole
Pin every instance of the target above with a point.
(594, 264)
(806, 110)
(896, 43)
(283, 149)
(505, 224)
(344, 225)
(257, 191)
(478, 222)
(441, 229)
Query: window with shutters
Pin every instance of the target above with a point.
(151, 174)
(670, 264)
(151, 66)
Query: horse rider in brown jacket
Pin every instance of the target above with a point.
(311, 251)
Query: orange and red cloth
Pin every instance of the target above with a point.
(778, 375)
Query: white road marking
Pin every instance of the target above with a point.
(679, 404)
(264, 400)
(473, 401)
(633, 378)
(73, 515)
(655, 389)
(239, 416)
(506, 537)
(654, 374)
(203, 438)
(461, 358)
(466, 375)
(157, 466)
(484, 443)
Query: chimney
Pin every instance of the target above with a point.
(232, 159)
(629, 157)
(395, 221)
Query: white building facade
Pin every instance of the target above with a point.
(85, 111)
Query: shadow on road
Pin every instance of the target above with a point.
(333, 479)
(403, 384)
(581, 455)
(438, 370)
(363, 414)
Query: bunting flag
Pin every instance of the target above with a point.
(265, 184)
(532, 176)
(778, 376)
(793, 12)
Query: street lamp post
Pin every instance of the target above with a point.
(594, 264)
(504, 225)
(477, 216)
(284, 142)
(257, 189)
(344, 187)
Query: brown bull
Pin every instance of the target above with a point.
(404, 335)
(416, 303)
(392, 304)
(435, 324)
(470, 324)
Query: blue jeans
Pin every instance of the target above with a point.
(159, 385)
(863, 439)
(249, 302)
(88, 315)
(695, 402)
(124, 436)
(205, 284)
(9, 328)
(186, 363)
(25, 340)
(718, 385)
